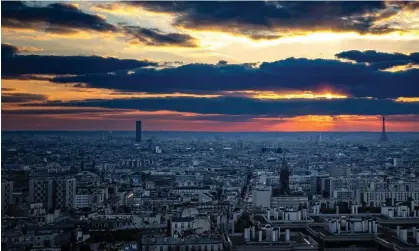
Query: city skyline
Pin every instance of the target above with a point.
(210, 125)
(210, 66)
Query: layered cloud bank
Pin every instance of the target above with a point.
(211, 64)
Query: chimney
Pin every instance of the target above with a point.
(390, 212)
(247, 234)
(232, 226)
(403, 234)
(269, 233)
(287, 235)
(279, 233)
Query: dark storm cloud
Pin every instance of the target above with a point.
(380, 60)
(22, 97)
(8, 50)
(55, 17)
(15, 65)
(371, 56)
(249, 106)
(34, 64)
(358, 80)
(245, 17)
(156, 37)
(61, 18)
(59, 111)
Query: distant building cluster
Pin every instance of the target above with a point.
(196, 191)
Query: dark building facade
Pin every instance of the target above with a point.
(53, 193)
(138, 135)
(284, 178)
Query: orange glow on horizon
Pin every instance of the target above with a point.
(405, 67)
(176, 121)
(289, 95)
(69, 92)
(407, 99)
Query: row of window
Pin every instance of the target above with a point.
(180, 225)
(396, 195)
(187, 248)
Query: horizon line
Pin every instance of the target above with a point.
(57, 130)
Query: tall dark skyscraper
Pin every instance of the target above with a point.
(138, 132)
(284, 177)
(383, 137)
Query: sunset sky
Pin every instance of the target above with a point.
(210, 66)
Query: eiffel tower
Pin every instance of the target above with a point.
(383, 137)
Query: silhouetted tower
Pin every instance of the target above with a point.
(284, 177)
(383, 137)
(138, 135)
